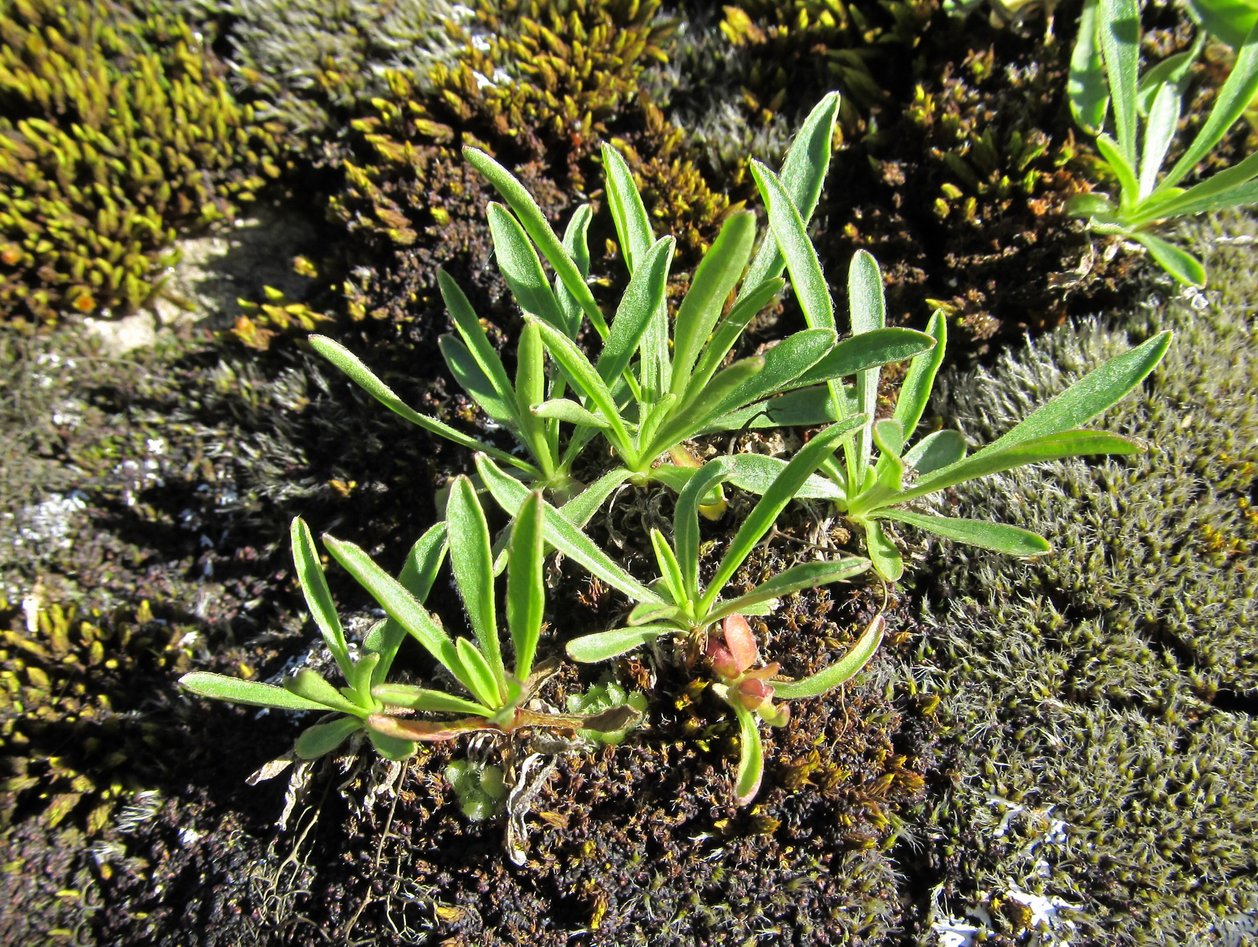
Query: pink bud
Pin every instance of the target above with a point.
(722, 661)
(741, 642)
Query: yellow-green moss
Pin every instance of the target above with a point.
(66, 683)
(117, 131)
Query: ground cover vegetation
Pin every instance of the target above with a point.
(671, 685)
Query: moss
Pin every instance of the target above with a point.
(1113, 681)
(119, 132)
(748, 76)
(69, 751)
(539, 85)
(311, 66)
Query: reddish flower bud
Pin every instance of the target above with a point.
(740, 641)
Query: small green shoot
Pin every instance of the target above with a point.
(682, 603)
(353, 704)
(1105, 78)
(750, 689)
(880, 473)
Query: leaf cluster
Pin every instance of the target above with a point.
(660, 381)
(880, 473)
(1105, 79)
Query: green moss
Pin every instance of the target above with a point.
(66, 746)
(1113, 681)
(118, 132)
(539, 84)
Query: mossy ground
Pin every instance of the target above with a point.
(1101, 701)
(1080, 727)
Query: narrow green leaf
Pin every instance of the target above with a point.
(643, 297)
(730, 328)
(885, 557)
(998, 537)
(889, 437)
(467, 324)
(633, 226)
(750, 756)
(655, 613)
(1231, 187)
(1092, 205)
(582, 507)
(1090, 395)
(530, 391)
(419, 571)
(400, 605)
(841, 671)
(471, 558)
(420, 698)
(867, 350)
(656, 415)
(568, 411)
(1056, 446)
(802, 176)
(322, 738)
(796, 249)
(920, 380)
(686, 522)
(585, 379)
(605, 645)
(391, 748)
(1086, 87)
(362, 376)
(1181, 264)
(538, 228)
(783, 364)
(935, 451)
(1158, 134)
(576, 240)
(562, 534)
(314, 586)
(311, 686)
(807, 408)
(1173, 70)
(526, 588)
(765, 512)
(868, 307)
(1229, 20)
(755, 473)
(715, 277)
(251, 693)
(360, 680)
(1233, 98)
(1119, 34)
(807, 575)
(477, 384)
(521, 268)
(481, 677)
(670, 571)
(1122, 168)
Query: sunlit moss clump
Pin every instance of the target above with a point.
(117, 132)
(1103, 699)
(69, 746)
